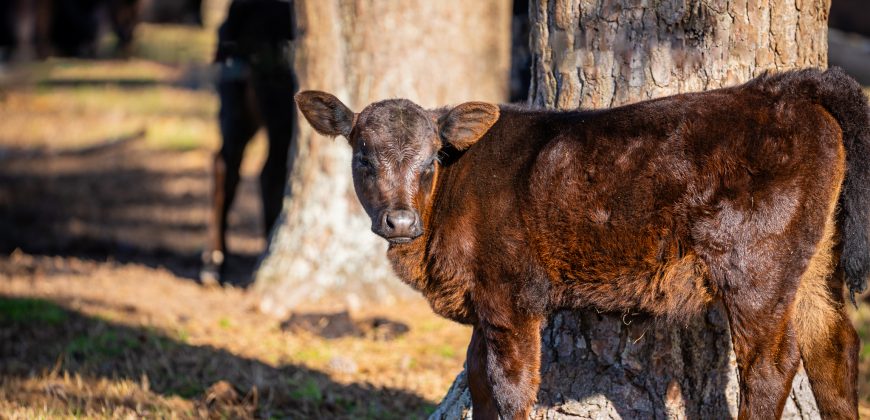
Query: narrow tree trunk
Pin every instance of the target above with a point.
(433, 53)
(605, 53)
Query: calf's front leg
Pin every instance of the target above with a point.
(503, 366)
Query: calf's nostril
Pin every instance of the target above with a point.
(386, 223)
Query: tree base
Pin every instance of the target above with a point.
(597, 366)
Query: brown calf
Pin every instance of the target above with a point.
(756, 195)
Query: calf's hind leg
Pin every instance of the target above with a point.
(767, 353)
(829, 346)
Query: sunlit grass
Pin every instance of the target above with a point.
(861, 321)
(182, 134)
(175, 44)
(152, 101)
(174, 119)
(107, 70)
(68, 103)
(86, 397)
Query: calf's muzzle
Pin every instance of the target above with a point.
(399, 226)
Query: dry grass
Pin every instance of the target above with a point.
(861, 321)
(103, 339)
(173, 118)
(188, 45)
(164, 89)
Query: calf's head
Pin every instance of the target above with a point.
(396, 146)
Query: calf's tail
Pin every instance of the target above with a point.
(843, 97)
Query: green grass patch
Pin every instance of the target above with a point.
(225, 323)
(28, 310)
(312, 354)
(182, 335)
(181, 135)
(446, 351)
(308, 390)
(430, 326)
(188, 388)
(106, 343)
(375, 411)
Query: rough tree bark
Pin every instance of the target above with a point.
(605, 53)
(433, 53)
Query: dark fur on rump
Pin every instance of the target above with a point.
(661, 206)
(842, 96)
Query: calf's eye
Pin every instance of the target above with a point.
(429, 169)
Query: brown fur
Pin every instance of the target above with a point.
(662, 206)
(815, 312)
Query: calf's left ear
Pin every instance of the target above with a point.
(466, 123)
(326, 113)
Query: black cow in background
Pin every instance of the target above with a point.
(172, 11)
(849, 38)
(124, 16)
(850, 16)
(73, 29)
(68, 28)
(256, 89)
(8, 37)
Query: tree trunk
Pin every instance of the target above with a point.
(433, 53)
(605, 53)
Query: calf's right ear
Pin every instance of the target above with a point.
(466, 123)
(326, 113)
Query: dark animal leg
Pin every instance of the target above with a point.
(831, 362)
(43, 10)
(124, 16)
(275, 99)
(238, 124)
(767, 353)
(213, 257)
(512, 359)
(273, 179)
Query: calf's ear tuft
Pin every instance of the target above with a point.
(325, 113)
(466, 123)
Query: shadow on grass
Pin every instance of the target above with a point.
(38, 337)
(115, 204)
